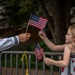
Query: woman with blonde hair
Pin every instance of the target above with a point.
(68, 48)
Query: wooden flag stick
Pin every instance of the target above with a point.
(27, 28)
(38, 45)
(43, 55)
(28, 25)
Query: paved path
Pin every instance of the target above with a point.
(33, 72)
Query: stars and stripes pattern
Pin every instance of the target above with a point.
(38, 52)
(38, 22)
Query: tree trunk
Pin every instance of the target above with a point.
(59, 23)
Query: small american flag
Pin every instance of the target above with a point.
(38, 22)
(38, 52)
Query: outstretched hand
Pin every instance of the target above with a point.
(42, 34)
(24, 37)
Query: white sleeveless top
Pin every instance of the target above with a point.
(70, 70)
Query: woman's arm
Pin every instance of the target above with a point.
(50, 44)
(60, 63)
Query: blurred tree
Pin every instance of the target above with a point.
(16, 12)
(58, 14)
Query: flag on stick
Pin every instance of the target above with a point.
(38, 52)
(38, 22)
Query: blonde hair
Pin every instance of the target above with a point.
(72, 28)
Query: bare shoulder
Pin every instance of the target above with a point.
(72, 48)
(69, 46)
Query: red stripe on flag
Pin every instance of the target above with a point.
(40, 24)
(39, 53)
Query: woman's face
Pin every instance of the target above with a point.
(68, 36)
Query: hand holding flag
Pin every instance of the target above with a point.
(38, 22)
